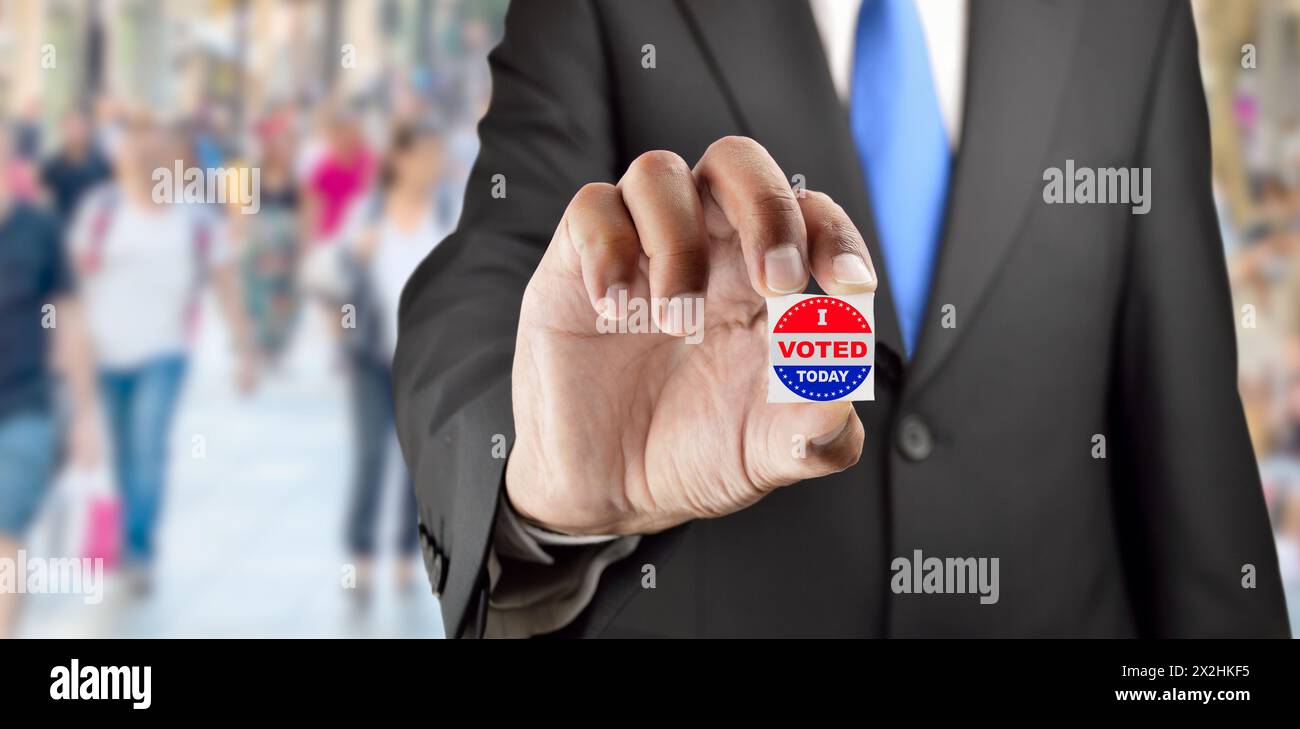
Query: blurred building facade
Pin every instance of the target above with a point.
(173, 56)
(1250, 63)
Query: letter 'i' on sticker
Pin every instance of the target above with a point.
(821, 348)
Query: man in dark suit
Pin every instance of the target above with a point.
(1056, 383)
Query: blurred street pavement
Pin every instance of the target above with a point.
(251, 542)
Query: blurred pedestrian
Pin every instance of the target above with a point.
(37, 299)
(144, 263)
(27, 132)
(18, 172)
(340, 174)
(339, 169)
(76, 168)
(208, 138)
(272, 241)
(110, 120)
(404, 221)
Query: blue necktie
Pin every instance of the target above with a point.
(894, 114)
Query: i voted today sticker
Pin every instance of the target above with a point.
(821, 348)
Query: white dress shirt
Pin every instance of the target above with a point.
(944, 25)
(537, 590)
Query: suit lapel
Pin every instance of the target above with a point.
(773, 72)
(1016, 69)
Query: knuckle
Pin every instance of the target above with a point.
(596, 221)
(774, 213)
(611, 243)
(735, 145)
(593, 194)
(775, 201)
(658, 163)
(677, 248)
(679, 268)
(841, 236)
(817, 197)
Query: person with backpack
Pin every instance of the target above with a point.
(143, 264)
(389, 234)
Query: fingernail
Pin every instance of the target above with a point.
(677, 316)
(784, 270)
(610, 306)
(822, 440)
(849, 268)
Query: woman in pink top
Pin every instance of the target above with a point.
(339, 177)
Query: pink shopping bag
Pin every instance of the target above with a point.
(104, 529)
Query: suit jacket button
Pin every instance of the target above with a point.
(915, 441)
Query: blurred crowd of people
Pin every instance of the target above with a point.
(352, 195)
(1264, 268)
(100, 287)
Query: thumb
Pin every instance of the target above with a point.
(804, 441)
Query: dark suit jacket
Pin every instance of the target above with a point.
(1071, 321)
